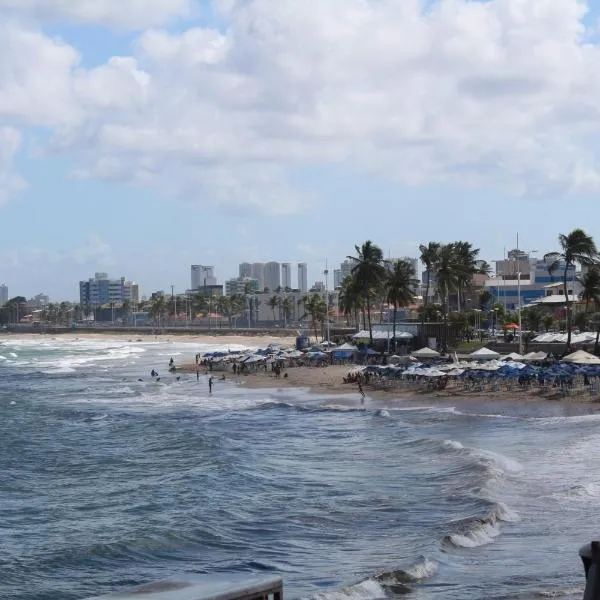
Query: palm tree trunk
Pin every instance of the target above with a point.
(394, 328)
(425, 302)
(369, 318)
(568, 307)
(597, 344)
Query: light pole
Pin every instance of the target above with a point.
(519, 307)
(326, 273)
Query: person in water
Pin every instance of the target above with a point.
(153, 373)
(171, 362)
(210, 384)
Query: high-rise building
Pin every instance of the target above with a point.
(272, 275)
(286, 275)
(258, 272)
(3, 294)
(346, 269)
(101, 290)
(241, 285)
(202, 276)
(245, 270)
(303, 277)
(337, 278)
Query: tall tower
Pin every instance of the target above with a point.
(202, 275)
(245, 270)
(258, 273)
(303, 277)
(286, 275)
(3, 294)
(272, 275)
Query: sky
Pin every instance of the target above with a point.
(138, 137)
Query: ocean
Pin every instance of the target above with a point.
(107, 482)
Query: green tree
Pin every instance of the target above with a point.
(316, 309)
(590, 283)
(575, 247)
(548, 321)
(485, 299)
(430, 258)
(532, 318)
(273, 304)
(351, 301)
(369, 272)
(399, 285)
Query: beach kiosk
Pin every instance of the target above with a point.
(223, 586)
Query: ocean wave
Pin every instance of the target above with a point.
(365, 590)
(423, 569)
(479, 531)
(494, 460)
(580, 492)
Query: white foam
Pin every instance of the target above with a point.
(423, 570)
(366, 590)
(483, 534)
(453, 444)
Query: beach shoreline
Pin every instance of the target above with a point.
(243, 339)
(329, 380)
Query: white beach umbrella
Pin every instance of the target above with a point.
(581, 357)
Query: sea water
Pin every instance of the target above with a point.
(107, 482)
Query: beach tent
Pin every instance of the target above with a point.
(484, 354)
(513, 356)
(425, 353)
(581, 357)
(345, 351)
(535, 356)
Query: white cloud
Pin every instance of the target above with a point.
(10, 181)
(127, 14)
(502, 92)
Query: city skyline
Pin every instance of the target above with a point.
(377, 129)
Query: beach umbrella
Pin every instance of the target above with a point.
(484, 354)
(510, 326)
(581, 357)
(425, 353)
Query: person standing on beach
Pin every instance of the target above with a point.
(360, 389)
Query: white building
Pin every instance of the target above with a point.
(286, 275)
(241, 285)
(202, 276)
(258, 272)
(101, 290)
(337, 278)
(3, 294)
(346, 269)
(272, 275)
(245, 270)
(303, 277)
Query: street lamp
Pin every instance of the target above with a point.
(326, 273)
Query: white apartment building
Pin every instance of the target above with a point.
(3, 294)
(272, 275)
(202, 276)
(286, 275)
(258, 272)
(241, 285)
(303, 277)
(245, 270)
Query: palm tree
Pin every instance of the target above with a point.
(399, 285)
(369, 272)
(485, 298)
(317, 310)
(590, 283)
(273, 304)
(429, 258)
(449, 277)
(288, 309)
(548, 321)
(126, 310)
(575, 247)
(350, 300)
